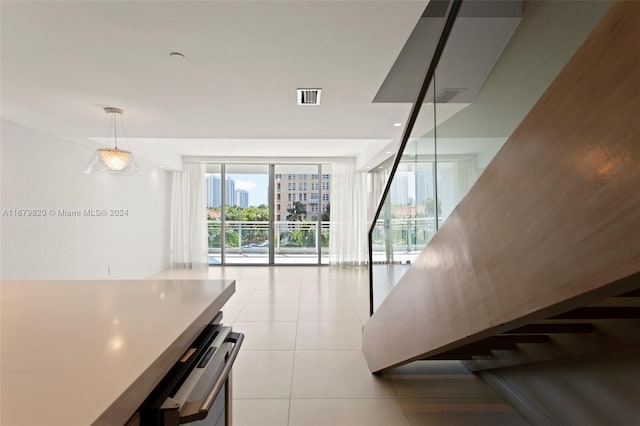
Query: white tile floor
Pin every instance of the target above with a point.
(301, 363)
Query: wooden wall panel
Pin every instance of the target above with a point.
(555, 216)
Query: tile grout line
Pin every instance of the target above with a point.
(293, 364)
(352, 297)
(244, 305)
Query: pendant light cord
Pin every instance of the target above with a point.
(115, 130)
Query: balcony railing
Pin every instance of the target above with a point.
(291, 237)
(400, 240)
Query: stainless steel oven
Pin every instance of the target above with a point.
(197, 390)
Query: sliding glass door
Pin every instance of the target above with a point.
(297, 214)
(213, 197)
(268, 213)
(246, 213)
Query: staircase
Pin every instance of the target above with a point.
(547, 242)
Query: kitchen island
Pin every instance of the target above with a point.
(89, 352)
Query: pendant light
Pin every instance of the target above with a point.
(113, 159)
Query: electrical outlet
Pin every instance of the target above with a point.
(108, 269)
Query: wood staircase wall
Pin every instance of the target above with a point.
(553, 223)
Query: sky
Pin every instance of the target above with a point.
(256, 184)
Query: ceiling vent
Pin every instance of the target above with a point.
(447, 95)
(309, 96)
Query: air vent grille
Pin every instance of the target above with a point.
(309, 96)
(447, 95)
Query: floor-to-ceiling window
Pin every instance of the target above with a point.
(246, 213)
(297, 213)
(268, 213)
(213, 196)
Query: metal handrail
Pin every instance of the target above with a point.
(279, 227)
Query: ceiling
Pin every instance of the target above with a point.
(235, 94)
(475, 43)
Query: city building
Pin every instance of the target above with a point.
(214, 195)
(308, 189)
(230, 188)
(480, 264)
(242, 198)
(212, 186)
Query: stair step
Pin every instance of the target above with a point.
(609, 312)
(564, 328)
(494, 343)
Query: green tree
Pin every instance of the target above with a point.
(252, 232)
(297, 212)
(326, 216)
(215, 231)
(260, 213)
(247, 214)
(233, 213)
(213, 209)
(304, 237)
(429, 210)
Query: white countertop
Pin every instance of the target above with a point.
(88, 352)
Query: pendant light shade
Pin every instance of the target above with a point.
(113, 160)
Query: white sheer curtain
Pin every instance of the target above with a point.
(188, 218)
(377, 182)
(348, 230)
(466, 175)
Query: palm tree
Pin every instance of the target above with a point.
(297, 212)
(326, 216)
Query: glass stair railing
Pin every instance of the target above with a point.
(410, 210)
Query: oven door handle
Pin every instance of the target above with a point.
(236, 339)
(233, 338)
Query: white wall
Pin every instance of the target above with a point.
(546, 38)
(40, 171)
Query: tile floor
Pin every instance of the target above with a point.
(301, 363)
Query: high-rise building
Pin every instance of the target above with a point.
(242, 198)
(424, 184)
(214, 196)
(304, 188)
(230, 192)
(212, 185)
(400, 189)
